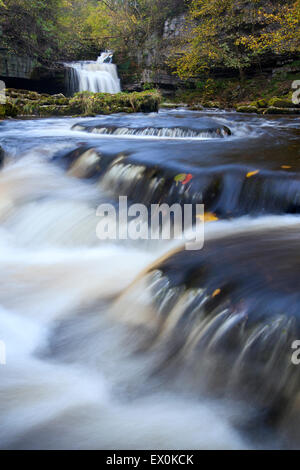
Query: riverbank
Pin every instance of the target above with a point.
(22, 103)
(257, 95)
(260, 94)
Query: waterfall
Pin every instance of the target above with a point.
(96, 76)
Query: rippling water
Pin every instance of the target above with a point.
(144, 345)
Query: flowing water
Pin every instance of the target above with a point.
(95, 76)
(142, 344)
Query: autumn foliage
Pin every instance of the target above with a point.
(236, 33)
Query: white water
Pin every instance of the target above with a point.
(170, 133)
(72, 379)
(98, 76)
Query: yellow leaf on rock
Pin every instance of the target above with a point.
(216, 292)
(285, 166)
(252, 173)
(208, 217)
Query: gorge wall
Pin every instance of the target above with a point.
(25, 72)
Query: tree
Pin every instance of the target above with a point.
(29, 26)
(282, 31)
(233, 33)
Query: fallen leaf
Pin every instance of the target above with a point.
(180, 177)
(208, 217)
(187, 179)
(285, 167)
(216, 292)
(252, 173)
(183, 178)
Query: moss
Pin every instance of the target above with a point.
(246, 109)
(60, 100)
(228, 92)
(105, 103)
(23, 102)
(196, 107)
(261, 103)
(8, 110)
(212, 104)
(30, 108)
(282, 103)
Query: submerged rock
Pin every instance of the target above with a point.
(208, 130)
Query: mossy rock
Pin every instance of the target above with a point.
(55, 110)
(105, 103)
(31, 108)
(54, 100)
(282, 103)
(212, 104)
(29, 103)
(247, 109)
(27, 94)
(261, 103)
(275, 110)
(2, 111)
(8, 110)
(196, 107)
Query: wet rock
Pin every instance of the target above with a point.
(2, 156)
(175, 105)
(213, 131)
(275, 110)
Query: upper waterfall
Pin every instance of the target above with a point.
(96, 76)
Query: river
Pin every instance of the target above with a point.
(142, 344)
